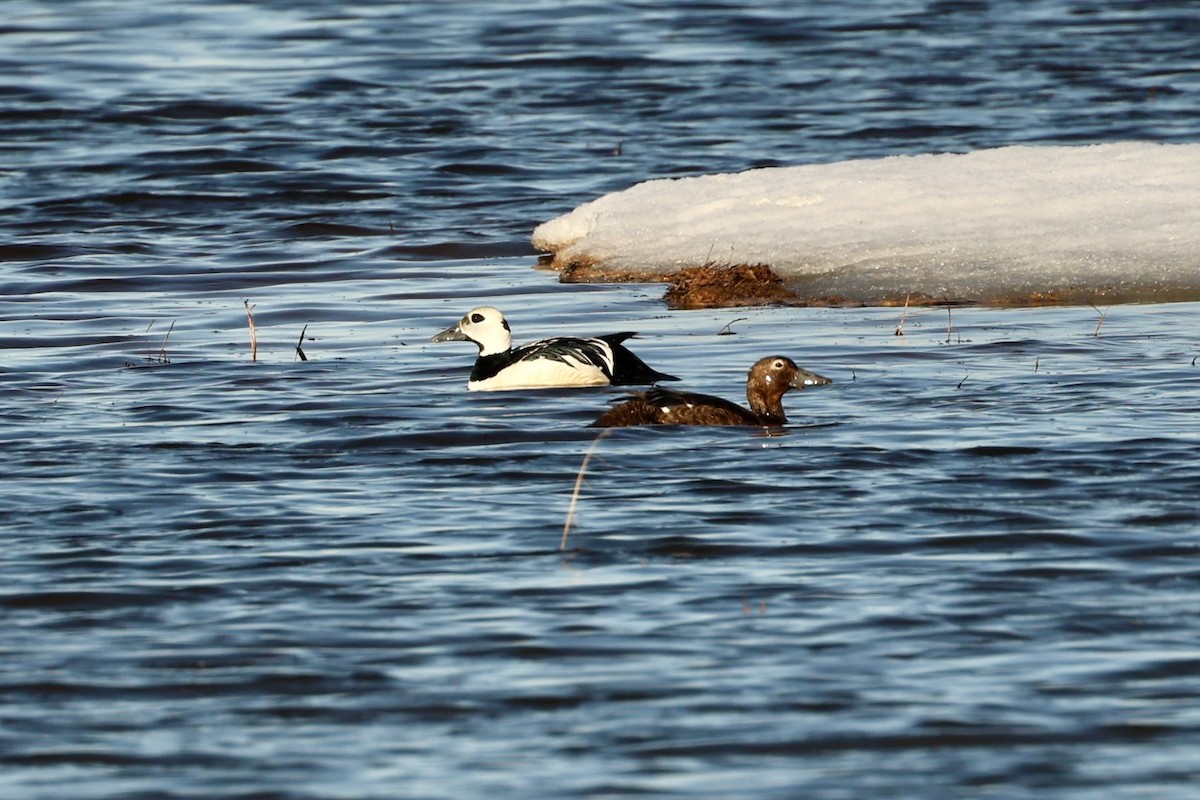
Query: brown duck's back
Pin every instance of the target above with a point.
(666, 407)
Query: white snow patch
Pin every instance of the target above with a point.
(1115, 217)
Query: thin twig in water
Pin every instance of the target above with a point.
(1099, 322)
(728, 329)
(903, 314)
(161, 357)
(299, 349)
(950, 329)
(964, 380)
(562, 545)
(162, 351)
(253, 335)
(1036, 363)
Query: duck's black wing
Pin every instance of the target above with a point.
(628, 369)
(571, 350)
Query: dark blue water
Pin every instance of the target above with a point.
(967, 570)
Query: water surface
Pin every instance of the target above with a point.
(967, 568)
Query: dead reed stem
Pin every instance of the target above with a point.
(253, 334)
(950, 327)
(562, 545)
(1103, 314)
(728, 329)
(162, 351)
(299, 349)
(903, 314)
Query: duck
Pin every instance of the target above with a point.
(557, 362)
(766, 383)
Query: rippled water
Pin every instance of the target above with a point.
(968, 568)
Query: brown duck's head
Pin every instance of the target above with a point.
(771, 378)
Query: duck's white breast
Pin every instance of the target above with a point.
(541, 373)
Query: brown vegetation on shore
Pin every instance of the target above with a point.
(731, 285)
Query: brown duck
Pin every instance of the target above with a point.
(769, 379)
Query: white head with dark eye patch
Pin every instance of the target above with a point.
(485, 326)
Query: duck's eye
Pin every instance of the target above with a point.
(778, 364)
(477, 318)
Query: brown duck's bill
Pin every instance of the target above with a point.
(804, 378)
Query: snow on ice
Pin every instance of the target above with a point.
(1111, 222)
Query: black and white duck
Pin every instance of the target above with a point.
(561, 361)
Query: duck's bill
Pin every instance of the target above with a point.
(452, 334)
(805, 378)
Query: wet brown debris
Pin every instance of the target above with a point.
(706, 286)
(589, 272)
(723, 286)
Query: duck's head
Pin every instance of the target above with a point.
(485, 326)
(771, 378)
